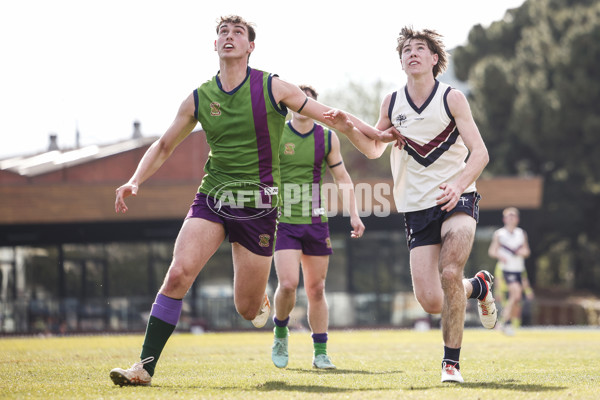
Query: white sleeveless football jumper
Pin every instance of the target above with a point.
(510, 242)
(434, 152)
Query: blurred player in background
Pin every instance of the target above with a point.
(307, 149)
(511, 247)
(435, 187)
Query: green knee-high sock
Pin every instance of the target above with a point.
(281, 328)
(320, 343)
(320, 348)
(157, 334)
(281, 332)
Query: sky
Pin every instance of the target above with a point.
(97, 66)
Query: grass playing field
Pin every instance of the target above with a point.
(372, 364)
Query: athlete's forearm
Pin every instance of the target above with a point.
(152, 160)
(477, 161)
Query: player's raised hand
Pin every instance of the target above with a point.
(392, 134)
(339, 120)
(449, 196)
(126, 190)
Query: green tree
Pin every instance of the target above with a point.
(364, 102)
(535, 89)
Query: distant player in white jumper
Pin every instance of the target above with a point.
(439, 156)
(511, 247)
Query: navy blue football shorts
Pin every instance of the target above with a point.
(424, 227)
(510, 277)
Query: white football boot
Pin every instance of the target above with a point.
(134, 376)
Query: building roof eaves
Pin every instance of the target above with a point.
(55, 160)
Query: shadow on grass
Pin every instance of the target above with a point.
(514, 385)
(341, 371)
(284, 386)
(271, 386)
(507, 385)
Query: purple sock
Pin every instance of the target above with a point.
(166, 309)
(279, 323)
(319, 337)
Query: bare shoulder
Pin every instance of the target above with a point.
(335, 141)
(189, 103)
(455, 95)
(388, 97)
(384, 122)
(282, 89)
(385, 103)
(458, 103)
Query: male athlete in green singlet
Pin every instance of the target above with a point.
(307, 149)
(242, 112)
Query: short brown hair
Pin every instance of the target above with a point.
(434, 43)
(309, 89)
(236, 19)
(510, 210)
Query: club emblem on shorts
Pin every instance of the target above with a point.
(328, 241)
(263, 240)
(215, 109)
(289, 149)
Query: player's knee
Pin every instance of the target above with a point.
(247, 315)
(315, 292)
(517, 301)
(451, 276)
(246, 311)
(430, 304)
(177, 277)
(431, 307)
(287, 286)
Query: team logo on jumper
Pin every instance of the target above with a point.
(243, 200)
(215, 109)
(263, 240)
(400, 119)
(289, 149)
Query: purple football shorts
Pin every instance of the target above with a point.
(312, 239)
(253, 228)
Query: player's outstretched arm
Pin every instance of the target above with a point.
(371, 141)
(365, 138)
(158, 152)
